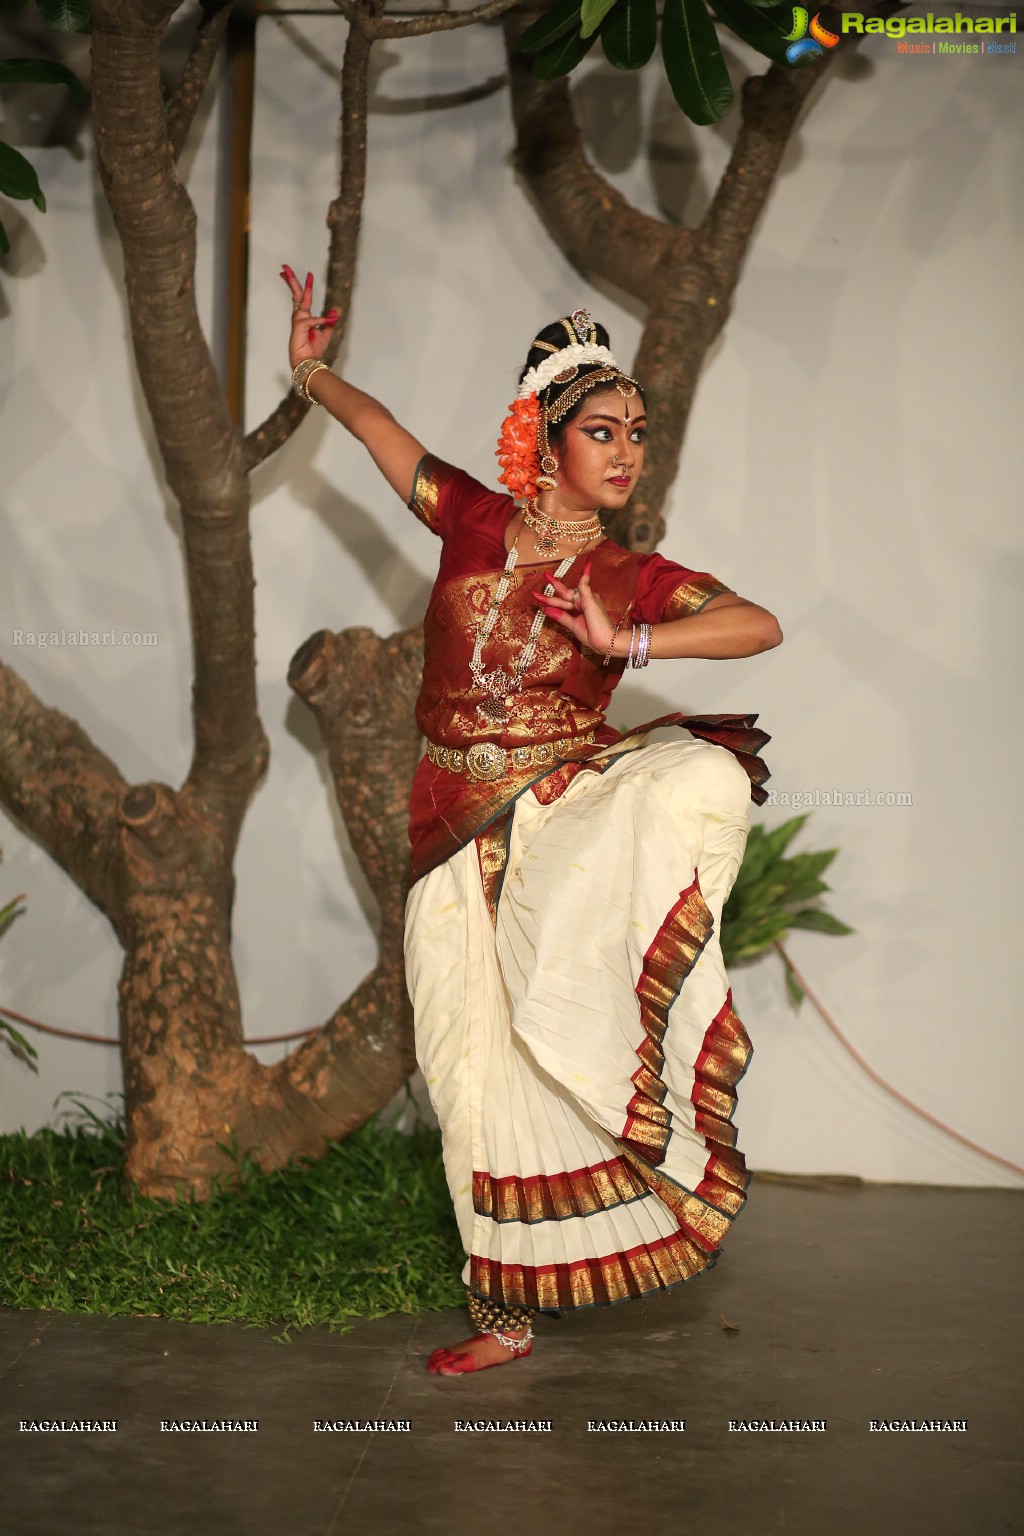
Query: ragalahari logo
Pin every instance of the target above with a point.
(800, 45)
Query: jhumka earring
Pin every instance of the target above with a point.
(548, 462)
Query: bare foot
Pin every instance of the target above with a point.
(483, 1349)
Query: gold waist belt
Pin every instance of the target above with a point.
(486, 760)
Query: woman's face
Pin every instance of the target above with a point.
(602, 452)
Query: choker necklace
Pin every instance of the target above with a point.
(551, 530)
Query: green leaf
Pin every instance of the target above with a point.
(592, 14)
(763, 849)
(693, 61)
(562, 57)
(764, 28)
(17, 1042)
(778, 840)
(630, 34)
(812, 863)
(9, 913)
(793, 987)
(805, 888)
(67, 15)
(562, 17)
(17, 178)
(819, 921)
(41, 71)
(743, 939)
(5, 243)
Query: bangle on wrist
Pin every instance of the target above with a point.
(611, 643)
(301, 375)
(643, 650)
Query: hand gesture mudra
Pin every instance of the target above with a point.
(310, 333)
(578, 610)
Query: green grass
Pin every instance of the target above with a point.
(367, 1231)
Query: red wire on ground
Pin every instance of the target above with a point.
(993, 1157)
(859, 1059)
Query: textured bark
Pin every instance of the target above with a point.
(206, 42)
(343, 219)
(158, 861)
(375, 27)
(595, 226)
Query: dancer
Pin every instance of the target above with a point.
(573, 1018)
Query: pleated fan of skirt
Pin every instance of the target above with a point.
(580, 1048)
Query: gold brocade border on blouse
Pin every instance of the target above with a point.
(690, 596)
(432, 475)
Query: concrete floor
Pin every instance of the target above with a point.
(850, 1304)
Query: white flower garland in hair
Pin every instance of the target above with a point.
(578, 352)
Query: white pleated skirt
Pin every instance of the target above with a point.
(580, 1047)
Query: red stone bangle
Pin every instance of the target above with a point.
(611, 645)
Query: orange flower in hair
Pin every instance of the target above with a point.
(517, 447)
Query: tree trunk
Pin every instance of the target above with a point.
(158, 861)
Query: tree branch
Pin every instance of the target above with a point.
(362, 690)
(184, 100)
(62, 790)
(375, 27)
(156, 222)
(444, 21)
(198, 442)
(771, 104)
(685, 276)
(344, 218)
(691, 299)
(590, 220)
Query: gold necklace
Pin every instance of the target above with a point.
(551, 530)
(500, 686)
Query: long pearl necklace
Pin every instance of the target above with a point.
(500, 685)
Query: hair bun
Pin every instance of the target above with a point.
(562, 333)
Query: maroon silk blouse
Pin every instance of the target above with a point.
(566, 689)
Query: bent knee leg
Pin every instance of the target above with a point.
(718, 780)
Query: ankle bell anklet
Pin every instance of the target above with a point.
(509, 1340)
(493, 1317)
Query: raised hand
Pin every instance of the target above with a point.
(310, 333)
(579, 610)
